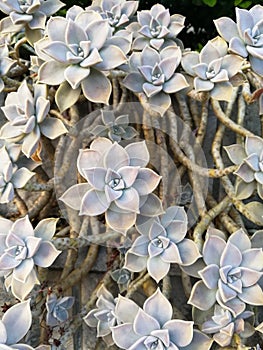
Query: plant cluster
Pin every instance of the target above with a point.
(130, 177)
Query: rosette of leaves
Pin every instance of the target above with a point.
(154, 74)
(14, 325)
(11, 177)
(114, 128)
(223, 325)
(116, 12)
(153, 327)
(245, 36)
(23, 247)
(118, 184)
(249, 158)
(28, 14)
(76, 52)
(213, 69)
(103, 317)
(57, 309)
(231, 272)
(28, 118)
(162, 242)
(156, 28)
(5, 63)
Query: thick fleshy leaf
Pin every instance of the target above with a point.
(176, 83)
(18, 317)
(150, 205)
(253, 259)
(138, 154)
(200, 340)
(21, 290)
(119, 220)
(46, 229)
(32, 244)
(96, 177)
(21, 177)
(144, 324)
(74, 195)
(96, 87)
(119, 335)
(189, 251)
(210, 276)
(129, 200)
(213, 249)
(124, 304)
(22, 271)
(134, 82)
(74, 74)
(252, 295)
(116, 157)
(52, 73)
(157, 268)
(23, 228)
(88, 158)
(202, 297)
(8, 262)
(94, 203)
(112, 57)
(146, 182)
(226, 27)
(30, 142)
(249, 277)
(203, 85)
(171, 254)
(3, 333)
(241, 240)
(243, 189)
(46, 254)
(134, 262)
(231, 256)
(180, 332)
(236, 153)
(158, 307)
(160, 102)
(66, 96)
(255, 209)
(254, 144)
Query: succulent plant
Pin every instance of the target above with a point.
(57, 309)
(28, 118)
(250, 171)
(14, 325)
(213, 69)
(153, 74)
(28, 14)
(116, 12)
(156, 28)
(77, 51)
(153, 327)
(115, 128)
(23, 247)
(11, 177)
(231, 273)
(5, 63)
(118, 183)
(162, 242)
(245, 37)
(223, 325)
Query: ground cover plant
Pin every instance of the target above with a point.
(117, 142)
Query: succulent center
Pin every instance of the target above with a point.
(112, 18)
(157, 76)
(20, 252)
(116, 184)
(158, 243)
(153, 343)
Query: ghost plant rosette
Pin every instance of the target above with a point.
(162, 242)
(245, 37)
(118, 184)
(153, 327)
(28, 118)
(156, 28)
(76, 52)
(11, 177)
(23, 247)
(231, 273)
(250, 171)
(153, 74)
(57, 309)
(213, 68)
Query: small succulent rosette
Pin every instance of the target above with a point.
(30, 15)
(245, 36)
(118, 184)
(23, 247)
(213, 69)
(116, 12)
(77, 52)
(154, 75)
(14, 325)
(28, 118)
(156, 28)
(162, 242)
(249, 159)
(152, 327)
(230, 274)
(57, 309)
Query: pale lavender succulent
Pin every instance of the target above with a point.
(154, 74)
(11, 177)
(28, 14)
(153, 327)
(250, 171)
(231, 273)
(245, 36)
(115, 128)
(118, 184)
(156, 28)
(14, 325)
(28, 118)
(57, 309)
(103, 317)
(116, 12)
(5, 63)
(76, 52)
(23, 247)
(223, 325)
(213, 68)
(162, 242)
